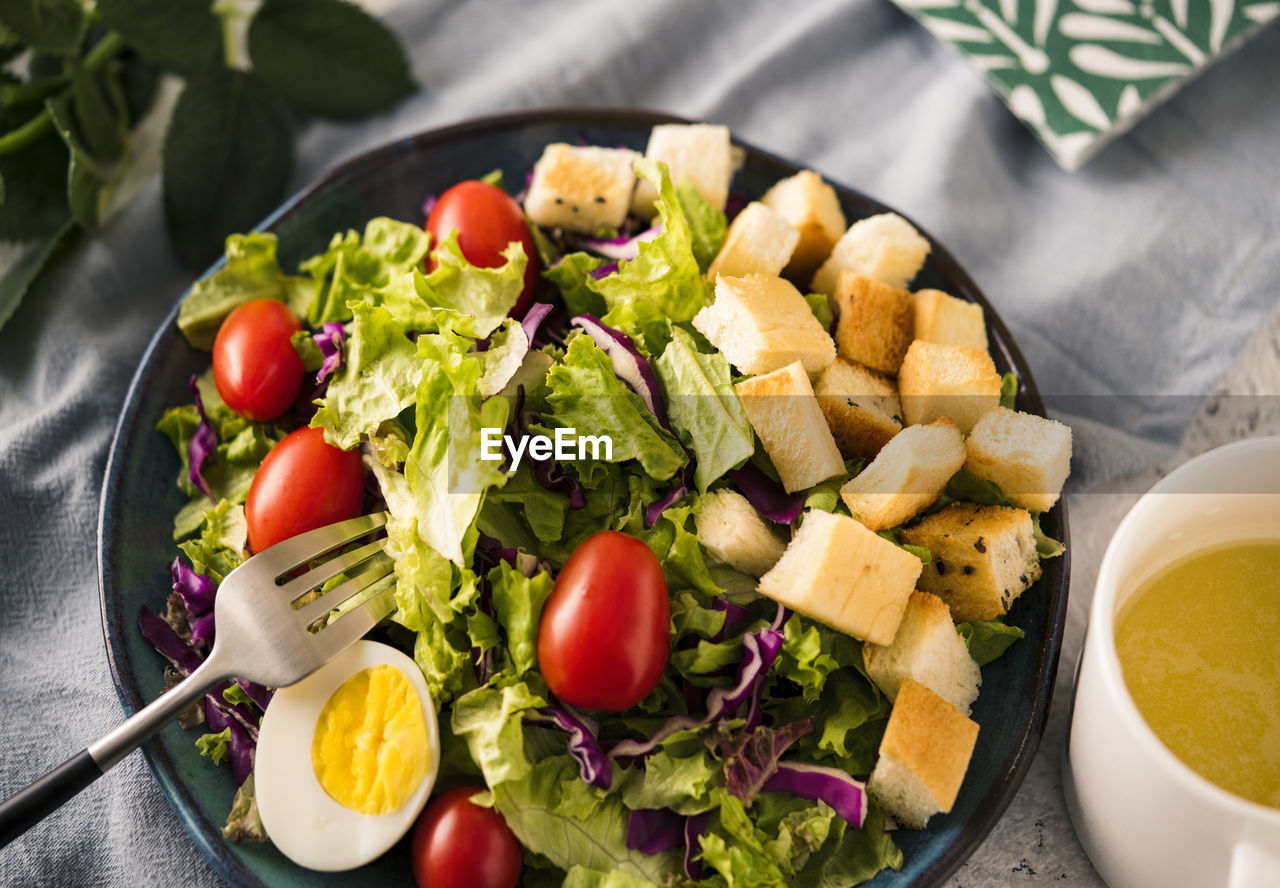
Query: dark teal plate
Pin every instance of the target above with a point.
(139, 498)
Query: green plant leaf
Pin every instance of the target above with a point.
(328, 57)
(102, 121)
(227, 159)
(35, 203)
(52, 26)
(18, 279)
(182, 34)
(85, 179)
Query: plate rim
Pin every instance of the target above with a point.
(207, 835)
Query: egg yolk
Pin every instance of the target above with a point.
(369, 750)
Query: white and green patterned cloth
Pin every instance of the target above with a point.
(1079, 73)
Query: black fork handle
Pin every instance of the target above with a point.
(29, 806)
(33, 804)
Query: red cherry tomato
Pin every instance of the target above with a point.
(460, 845)
(255, 367)
(604, 636)
(487, 220)
(304, 483)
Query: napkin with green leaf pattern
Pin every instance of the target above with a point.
(1079, 73)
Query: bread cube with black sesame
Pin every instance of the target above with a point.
(984, 557)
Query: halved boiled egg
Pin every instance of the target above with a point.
(347, 758)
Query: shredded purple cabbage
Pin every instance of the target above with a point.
(196, 590)
(203, 443)
(240, 746)
(629, 364)
(617, 248)
(330, 340)
(533, 319)
(259, 694)
(734, 204)
(759, 650)
(167, 642)
(831, 785)
(429, 204)
(695, 827)
(654, 510)
(548, 474)
(766, 495)
(734, 616)
(593, 765)
(654, 830)
(603, 271)
(195, 594)
(751, 756)
(191, 614)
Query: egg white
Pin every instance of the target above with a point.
(300, 818)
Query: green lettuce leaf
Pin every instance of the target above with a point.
(376, 381)
(572, 276)
(229, 469)
(683, 784)
(594, 838)
(518, 601)
(988, 639)
(220, 546)
(215, 747)
(684, 563)
(528, 505)
(851, 856)
(445, 474)
(244, 823)
(490, 720)
(1009, 391)
(585, 394)
(739, 851)
(1046, 546)
(704, 408)
(665, 274)
(581, 877)
(803, 659)
(251, 272)
(485, 294)
(446, 666)
(707, 225)
(820, 305)
(353, 265)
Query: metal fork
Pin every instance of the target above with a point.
(268, 630)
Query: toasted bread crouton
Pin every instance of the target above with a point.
(885, 247)
(759, 241)
(942, 318)
(907, 476)
(581, 188)
(762, 323)
(928, 649)
(924, 754)
(732, 531)
(812, 206)
(861, 407)
(785, 414)
(947, 380)
(841, 574)
(1027, 456)
(984, 557)
(875, 322)
(696, 153)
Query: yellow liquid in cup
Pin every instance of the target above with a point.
(1199, 646)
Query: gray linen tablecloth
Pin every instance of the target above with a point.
(1136, 282)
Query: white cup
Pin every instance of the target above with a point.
(1146, 819)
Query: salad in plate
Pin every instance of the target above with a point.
(695, 569)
